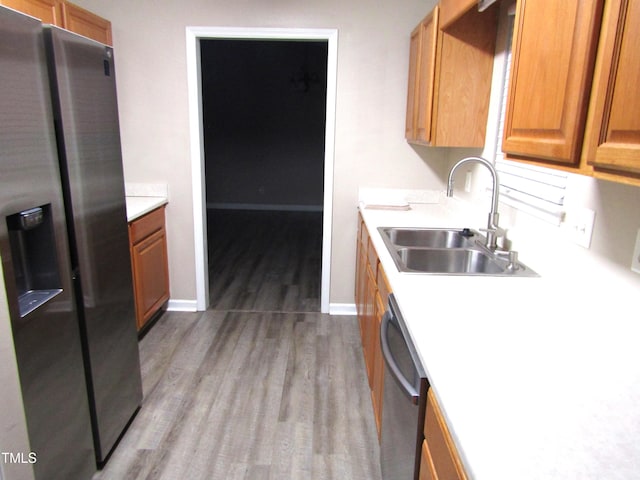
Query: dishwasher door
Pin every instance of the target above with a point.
(404, 400)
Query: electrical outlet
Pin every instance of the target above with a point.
(579, 225)
(635, 260)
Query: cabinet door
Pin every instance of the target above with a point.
(369, 324)
(361, 276)
(427, 470)
(552, 68)
(377, 387)
(450, 74)
(412, 88)
(83, 22)
(422, 66)
(426, 75)
(464, 70)
(444, 458)
(614, 143)
(48, 11)
(150, 275)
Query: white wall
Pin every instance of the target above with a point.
(373, 49)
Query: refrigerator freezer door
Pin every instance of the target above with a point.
(46, 337)
(86, 115)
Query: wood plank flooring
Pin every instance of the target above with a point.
(264, 260)
(261, 386)
(250, 395)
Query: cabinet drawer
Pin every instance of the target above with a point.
(442, 451)
(144, 226)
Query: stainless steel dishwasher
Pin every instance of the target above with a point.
(404, 401)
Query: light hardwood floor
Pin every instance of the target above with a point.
(260, 387)
(248, 395)
(264, 261)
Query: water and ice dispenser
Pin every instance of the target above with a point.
(33, 253)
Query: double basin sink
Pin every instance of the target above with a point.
(448, 252)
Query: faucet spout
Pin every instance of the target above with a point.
(492, 224)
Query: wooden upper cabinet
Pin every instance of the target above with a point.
(65, 15)
(48, 11)
(553, 56)
(450, 80)
(414, 51)
(612, 145)
(85, 23)
(422, 55)
(452, 10)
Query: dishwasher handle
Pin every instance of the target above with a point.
(407, 387)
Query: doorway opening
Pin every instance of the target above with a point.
(253, 185)
(264, 105)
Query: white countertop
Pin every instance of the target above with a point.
(139, 206)
(539, 378)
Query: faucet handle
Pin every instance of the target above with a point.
(493, 234)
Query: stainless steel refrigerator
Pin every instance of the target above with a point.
(82, 76)
(36, 260)
(64, 244)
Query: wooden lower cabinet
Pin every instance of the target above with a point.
(368, 324)
(372, 292)
(427, 470)
(440, 460)
(377, 383)
(150, 266)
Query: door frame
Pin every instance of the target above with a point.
(196, 135)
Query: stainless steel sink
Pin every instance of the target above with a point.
(459, 261)
(448, 252)
(429, 237)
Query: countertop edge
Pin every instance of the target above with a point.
(140, 206)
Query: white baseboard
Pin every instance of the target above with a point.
(176, 305)
(342, 309)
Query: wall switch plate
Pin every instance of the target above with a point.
(578, 223)
(635, 260)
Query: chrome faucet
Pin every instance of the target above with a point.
(493, 230)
